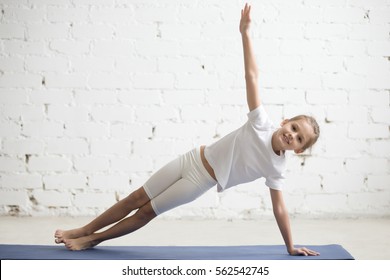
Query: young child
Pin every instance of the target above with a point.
(254, 150)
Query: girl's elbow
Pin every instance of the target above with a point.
(252, 76)
(279, 211)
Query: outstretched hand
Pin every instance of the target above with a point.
(303, 252)
(245, 19)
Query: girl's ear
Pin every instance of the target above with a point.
(284, 122)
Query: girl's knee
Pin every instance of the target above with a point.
(146, 212)
(138, 197)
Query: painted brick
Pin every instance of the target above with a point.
(88, 97)
(43, 129)
(42, 64)
(154, 81)
(368, 202)
(53, 96)
(109, 81)
(346, 47)
(381, 115)
(369, 98)
(12, 164)
(65, 181)
(368, 31)
(12, 31)
(22, 147)
(21, 181)
(183, 97)
(65, 80)
(132, 165)
(112, 114)
(153, 148)
(348, 148)
(114, 48)
(16, 80)
(9, 129)
(302, 183)
(366, 165)
(379, 15)
(91, 164)
(32, 113)
(52, 198)
(351, 183)
(356, 114)
(180, 131)
(92, 64)
(39, 31)
(182, 31)
(103, 200)
(13, 197)
(131, 131)
(344, 15)
(300, 14)
(11, 64)
(336, 97)
(46, 163)
(197, 81)
(110, 147)
(325, 31)
(109, 182)
(379, 147)
(135, 64)
(323, 165)
(91, 31)
(67, 146)
(196, 113)
(67, 14)
(230, 199)
(156, 14)
(378, 182)
(68, 47)
(24, 15)
(369, 131)
(87, 129)
(379, 48)
(140, 97)
(325, 203)
(66, 113)
(165, 48)
(13, 97)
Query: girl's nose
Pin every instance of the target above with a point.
(293, 135)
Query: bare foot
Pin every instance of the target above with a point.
(81, 243)
(61, 235)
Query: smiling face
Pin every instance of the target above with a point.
(293, 135)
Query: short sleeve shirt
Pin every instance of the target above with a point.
(246, 154)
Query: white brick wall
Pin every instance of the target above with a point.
(96, 95)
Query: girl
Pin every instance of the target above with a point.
(254, 150)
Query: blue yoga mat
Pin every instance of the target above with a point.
(254, 252)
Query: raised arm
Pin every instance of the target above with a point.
(283, 221)
(251, 70)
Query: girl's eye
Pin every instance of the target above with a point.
(294, 128)
(300, 139)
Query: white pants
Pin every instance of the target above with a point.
(180, 181)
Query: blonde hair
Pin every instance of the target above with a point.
(316, 129)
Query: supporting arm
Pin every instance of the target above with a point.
(283, 221)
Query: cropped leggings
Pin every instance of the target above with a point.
(180, 181)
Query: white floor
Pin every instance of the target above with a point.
(365, 239)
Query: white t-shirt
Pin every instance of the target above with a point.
(246, 154)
